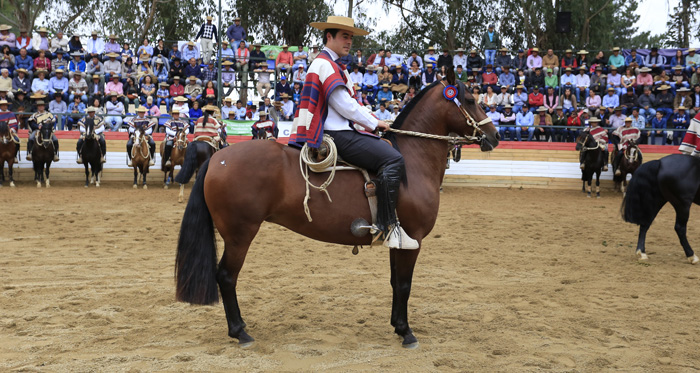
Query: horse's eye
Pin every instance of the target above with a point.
(470, 101)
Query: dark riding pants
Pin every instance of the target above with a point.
(130, 145)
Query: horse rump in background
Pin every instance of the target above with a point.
(675, 179)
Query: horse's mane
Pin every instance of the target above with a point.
(411, 104)
(4, 128)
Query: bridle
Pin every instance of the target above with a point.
(477, 137)
(179, 142)
(585, 140)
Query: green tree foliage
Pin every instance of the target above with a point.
(281, 22)
(682, 24)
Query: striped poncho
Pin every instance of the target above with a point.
(691, 141)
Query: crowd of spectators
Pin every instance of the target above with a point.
(527, 91)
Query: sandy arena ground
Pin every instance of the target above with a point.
(509, 280)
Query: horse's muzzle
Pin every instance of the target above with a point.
(489, 142)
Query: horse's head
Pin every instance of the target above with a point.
(90, 128)
(46, 131)
(4, 132)
(469, 119)
(181, 138)
(583, 140)
(139, 135)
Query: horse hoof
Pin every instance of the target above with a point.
(410, 342)
(97, 185)
(48, 184)
(643, 256)
(12, 184)
(165, 187)
(38, 185)
(693, 259)
(179, 199)
(245, 340)
(135, 187)
(145, 187)
(86, 185)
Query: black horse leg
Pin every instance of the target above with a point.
(87, 173)
(48, 168)
(136, 176)
(144, 177)
(227, 278)
(404, 261)
(395, 298)
(641, 241)
(682, 214)
(597, 184)
(2, 171)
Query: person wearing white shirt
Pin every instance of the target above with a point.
(494, 115)
(356, 76)
(583, 81)
(460, 59)
(431, 57)
(568, 80)
(391, 59)
(95, 45)
(415, 57)
(358, 149)
(383, 113)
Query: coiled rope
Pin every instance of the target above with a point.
(306, 162)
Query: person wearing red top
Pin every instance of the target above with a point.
(489, 78)
(284, 59)
(176, 89)
(42, 62)
(535, 99)
(569, 60)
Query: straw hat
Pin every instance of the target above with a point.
(519, 87)
(93, 33)
(683, 89)
(594, 120)
(568, 51)
(284, 95)
(503, 50)
(211, 108)
(141, 109)
(431, 48)
(644, 70)
(112, 55)
(582, 51)
(3, 102)
(40, 102)
(190, 43)
(174, 111)
(460, 50)
(628, 119)
(664, 87)
(192, 78)
(209, 18)
(228, 99)
(611, 89)
(180, 99)
(112, 36)
(536, 49)
(59, 71)
(176, 77)
(689, 49)
(227, 63)
(163, 84)
(343, 23)
(385, 85)
(113, 94)
(541, 109)
(91, 109)
(681, 108)
(677, 67)
(225, 42)
(4, 27)
(262, 113)
(616, 49)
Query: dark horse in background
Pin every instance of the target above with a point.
(8, 149)
(235, 195)
(594, 159)
(92, 155)
(42, 155)
(675, 179)
(631, 159)
(198, 152)
(177, 158)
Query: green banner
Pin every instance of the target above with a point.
(239, 127)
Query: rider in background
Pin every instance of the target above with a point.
(9, 117)
(600, 135)
(147, 124)
(264, 124)
(99, 128)
(207, 126)
(628, 136)
(36, 122)
(171, 127)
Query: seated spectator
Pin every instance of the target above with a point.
(59, 84)
(503, 59)
(299, 76)
(520, 98)
(476, 78)
(24, 61)
(59, 62)
(678, 78)
(520, 78)
(658, 125)
(111, 46)
(76, 64)
(534, 61)
(384, 96)
(551, 100)
(593, 102)
(161, 71)
(647, 103)
(115, 111)
(568, 80)
(299, 57)
(506, 79)
(209, 90)
(568, 101)
(569, 60)
(115, 86)
(144, 68)
(145, 48)
(78, 87)
(193, 70)
(600, 61)
(682, 98)
(551, 80)
(21, 81)
(535, 99)
(662, 79)
(629, 80)
(42, 62)
(180, 104)
(692, 62)
(75, 108)
(583, 60)
(176, 89)
(130, 70)
(227, 53)
(559, 119)
(694, 107)
(177, 68)
(543, 123)
(655, 61)
(7, 38)
(95, 67)
(634, 58)
(474, 61)
(460, 59)
(228, 77)
(535, 80)
(680, 121)
(399, 82)
(384, 75)
(41, 42)
(126, 52)
(519, 62)
(615, 121)
(550, 61)
(7, 59)
(428, 76)
(285, 60)
(582, 84)
(639, 123)
(190, 52)
(152, 109)
(506, 122)
(240, 111)
(163, 96)
(504, 98)
(6, 83)
(678, 59)
(95, 46)
(616, 60)
(431, 57)
(356, 76)
(96, 88)
(370, 81)
(210, 74)
(194, 113)
(112, 67)
(24, 41)
(610, 101)
(193, 91)
(147, 89)
(524, 121)
(382, 113)
(415, 76)
(282, 87)
(58, 108)
(287, 108)
(615, 80)
(227, 108)
(489, 78)
(258, 59)
(40, 85)
(489, 98)
(599, 81)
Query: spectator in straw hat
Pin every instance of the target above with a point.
(257, 58)
(664, 100)
(6, 83)
(59, 84)
(460, 58)
(300, 57)
(263, 86)
(77, 86)
(95, 45)
(315, 52)
(190, 51)
(40, 84)
(227, 53)
(236, 33)
(228, 77)
(569, 60)
(6, 37)
(112, 67)
(474, 61)
(692, 61)
(193, 90)
(207, 33)
(96, 88)
(112, 46)
(503, 59)
(680, 121)
(41, 41)
(163, 96)
(534, 61)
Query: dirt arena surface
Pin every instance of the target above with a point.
(509, 280)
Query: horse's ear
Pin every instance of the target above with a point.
(450, 76)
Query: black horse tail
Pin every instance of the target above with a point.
(189, 165)
(195, 263)
(643, 195)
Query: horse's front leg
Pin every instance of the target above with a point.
(597, 184)
(144, 179)
(47, 171)
(87, 175)
(136, 176)
(404, 262)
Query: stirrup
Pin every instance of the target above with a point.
(129, 164)
(79, 160)
(55, 158)
(168, 163)
(583, 166)
(103, 159)
(618, 172)
(605, 167)
(151, 162)
(397, 238)
(28, 157)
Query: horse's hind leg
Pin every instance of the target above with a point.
(10, 171)
(682, 213)
(402, 264)
(136, 175)
(597, 185)
(87, 174)
(48, 182)
(227, 278)
(144, 180)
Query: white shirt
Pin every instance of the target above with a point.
(383, 115)
(459, 60)
(356, 77)
(342, 107)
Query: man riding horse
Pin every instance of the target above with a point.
(628, 136)
(327, 106)
(98, 128)
(600, 135)
(36, 122)
(9, 117)
(171, 127)
(147, 124)
(265, 125)
(211, 128)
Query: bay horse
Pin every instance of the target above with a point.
(92, 155)
(177, 158)
(235, 195)
(674, 178)
(140, 157)
(594, 159)
(42, 155)
(630, 161)
(7, 153)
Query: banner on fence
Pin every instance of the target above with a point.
(243, 128)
